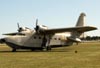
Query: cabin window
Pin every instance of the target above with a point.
(39, 37)
(34, 37)
(59, 39)
(55, 38)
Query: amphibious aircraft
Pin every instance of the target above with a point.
(41, 37)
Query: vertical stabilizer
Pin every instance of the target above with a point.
(80, 21)
(75, 35)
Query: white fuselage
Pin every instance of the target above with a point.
(31, 39)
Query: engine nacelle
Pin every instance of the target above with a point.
(23, 29)
(41, 28)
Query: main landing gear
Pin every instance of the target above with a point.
(45, 44)
(48, 48)
(14, 50)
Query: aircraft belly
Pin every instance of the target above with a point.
(33, 43)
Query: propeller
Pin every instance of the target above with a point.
(37, 27)
(18, 25)
(36, 22)
(19, 28)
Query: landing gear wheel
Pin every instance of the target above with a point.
(14, 50)
(41, 49)
(48, 48)
(32, 49)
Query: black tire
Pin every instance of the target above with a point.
(32, 50)
(48, 48)
(14, 50)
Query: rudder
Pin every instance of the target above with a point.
(80, 21)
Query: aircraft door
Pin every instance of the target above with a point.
(45, 43)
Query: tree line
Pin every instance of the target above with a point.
(90, 38)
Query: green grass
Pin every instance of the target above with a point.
(87, 56)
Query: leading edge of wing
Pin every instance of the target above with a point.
(70, 29)
(15, 33)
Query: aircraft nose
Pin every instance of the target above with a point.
(8, 39)
(2, 40)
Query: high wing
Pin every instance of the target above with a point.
(15, 33)
(70, 29)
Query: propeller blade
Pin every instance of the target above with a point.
(18, 25)
(19, 28)
(37, 27)
(36, 22)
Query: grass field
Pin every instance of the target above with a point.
(87, 56)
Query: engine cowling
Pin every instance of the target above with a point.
(22, 29)
(41, 28)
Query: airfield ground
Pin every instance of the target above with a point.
(84, 55)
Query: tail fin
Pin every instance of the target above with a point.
(75, 35)
(80, 21)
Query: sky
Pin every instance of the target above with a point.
(52, 13)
